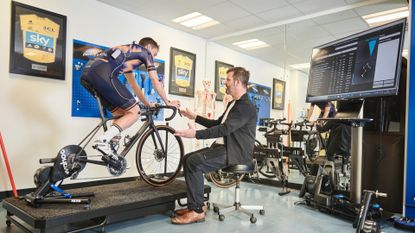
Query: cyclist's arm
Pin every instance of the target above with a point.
(327, 110)
(158, 86)
(137, 90)
(310, 112)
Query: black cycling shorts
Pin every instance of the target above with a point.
(112, 93)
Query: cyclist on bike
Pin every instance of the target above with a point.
(340, 133)
(327, 109)
(101, 74)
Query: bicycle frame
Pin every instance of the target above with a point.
(148, 123)
(320, 137)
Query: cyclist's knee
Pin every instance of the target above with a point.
(133, 112)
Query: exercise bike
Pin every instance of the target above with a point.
(159, 155)
(270, 157)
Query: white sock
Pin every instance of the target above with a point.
(109, 134)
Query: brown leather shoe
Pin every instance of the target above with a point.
(188, 218)
(185, 211)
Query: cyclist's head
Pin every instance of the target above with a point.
(150, 44)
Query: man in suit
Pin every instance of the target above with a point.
(235, 137)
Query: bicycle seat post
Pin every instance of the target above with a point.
(101, 110)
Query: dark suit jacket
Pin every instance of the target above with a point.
(238, 130)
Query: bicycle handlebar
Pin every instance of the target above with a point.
(304, 123)
(277, 121)
(156, 108)
(173, 114)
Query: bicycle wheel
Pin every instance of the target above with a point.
(312, 146)
(266, 170)
(155, 165)
(223, 179)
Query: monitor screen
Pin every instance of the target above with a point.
(362, 65)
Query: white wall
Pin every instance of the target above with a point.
(298, 90)
(36, 112)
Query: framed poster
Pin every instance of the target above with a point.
(220, 78)
(38, 42)
(182, 72)
(278, 94)
(260, 97)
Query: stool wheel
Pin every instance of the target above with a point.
(221, 217)
(262, 212)
(252, 219)
(216, 209)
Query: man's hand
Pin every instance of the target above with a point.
(189, 114)
(175, 103)
(187, 133)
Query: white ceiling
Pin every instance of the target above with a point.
(307, 23)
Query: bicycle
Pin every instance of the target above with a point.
(223, 179)
(315, 142)
(158, 156)
(270, 157)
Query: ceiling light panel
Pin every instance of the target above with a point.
(196, 21)
(386, 16)
(251, 44)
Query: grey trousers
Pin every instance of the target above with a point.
(194, 165)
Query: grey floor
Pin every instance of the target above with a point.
(281, 215)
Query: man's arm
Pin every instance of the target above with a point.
(208, 122)
(310, 112)
(137, 90)
(235, 120)
(199, 119)
(238, 117)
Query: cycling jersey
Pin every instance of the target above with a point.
(117, 58)
(102, 76)
(322, 106)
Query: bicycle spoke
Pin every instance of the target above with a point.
(159, 158)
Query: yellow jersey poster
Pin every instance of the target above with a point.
(221, 70)
(38, 42)
(182, 72)
(39, 38)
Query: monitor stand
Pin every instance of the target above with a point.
(351, 113)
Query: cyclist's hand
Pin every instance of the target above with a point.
(319, 123)
(175, 103)
(152, 104)
(187, 133)
(189, 114)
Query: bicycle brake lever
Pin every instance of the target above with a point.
(180, 112)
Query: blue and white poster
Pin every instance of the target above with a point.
(260, 96)
(83, 103)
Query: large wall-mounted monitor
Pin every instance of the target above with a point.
(362, 65)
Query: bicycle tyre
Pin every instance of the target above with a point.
(264, 170)
(152, 164)
(223, 179)
(312, 147)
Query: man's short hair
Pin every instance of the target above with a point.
(241, 74)
(148, 41)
